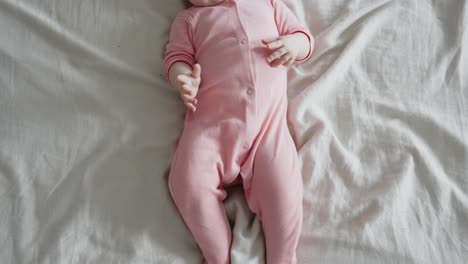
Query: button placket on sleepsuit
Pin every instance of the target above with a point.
(249, 84)
(239, 127)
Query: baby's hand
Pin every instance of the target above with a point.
(189, 85)
(286, 49)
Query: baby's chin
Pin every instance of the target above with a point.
(206, 2)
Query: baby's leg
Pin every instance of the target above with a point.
(195, 186)
(276, 195)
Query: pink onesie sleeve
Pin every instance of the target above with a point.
(179, 47)
(287, 24)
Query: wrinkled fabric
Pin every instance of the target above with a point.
(239, 126)
(88, 129)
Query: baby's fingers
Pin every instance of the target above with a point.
(189, 101)
(189, 98)
(273, 44)
(191, 106)
(184, 79)
(278, 53)
(187, 89)
(196, 73)
(281, 60)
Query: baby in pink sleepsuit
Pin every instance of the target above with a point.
(228, 59)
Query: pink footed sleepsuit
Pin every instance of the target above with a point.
(239, 128)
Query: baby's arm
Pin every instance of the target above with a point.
(179, 63)
(295, 44)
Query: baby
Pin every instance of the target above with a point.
(228, 59)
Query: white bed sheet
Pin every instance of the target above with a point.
(88, 128)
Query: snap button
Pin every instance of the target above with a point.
(243, 41)
(250, 91)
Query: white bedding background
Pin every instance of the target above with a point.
(88, 127)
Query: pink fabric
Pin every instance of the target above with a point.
(239, 127)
